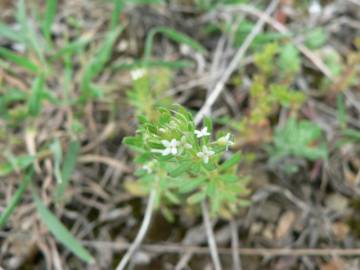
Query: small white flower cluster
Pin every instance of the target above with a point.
(170, 147)
(175, 147)
(205, 154)
(137, 74)
(202, 133)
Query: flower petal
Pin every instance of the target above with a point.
(166, 151)
(165, 143)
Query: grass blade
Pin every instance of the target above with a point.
(19, 60)
(28, 32)
(50, 13)
(73, 47)
(61, 233)
(97, 64)
(68, 168)
(178, 64)
(115, 15)
(37, 89)
(16, 163)
(9, 33)
(15, 199)
(173, 35)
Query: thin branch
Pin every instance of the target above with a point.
(141, 234)
(234, 64)
(235, 245)
(284, 30)
(210, 235)
(271, 252)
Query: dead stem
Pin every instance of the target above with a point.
(210, 235)
(142, 232)
(234, 64)
(235, 245)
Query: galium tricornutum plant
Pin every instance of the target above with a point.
(183, 163)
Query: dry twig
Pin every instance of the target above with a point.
(141, 234)
(234, 64)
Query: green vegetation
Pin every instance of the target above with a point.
(97, 112)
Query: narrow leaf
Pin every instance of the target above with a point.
(68, 168)
(15, 199)
(19, 60)
(19, 163)
(235, 159)
(61, 233)
(34, 105)
(50, 13)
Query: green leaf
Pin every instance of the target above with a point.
(19, 60)
(15, 199)
(211, 189)
(50, 13)
(18, 163)
(173, 35)
(176, 64)
(28, 32)
(73, 47)
(301, 139)
(341, 110)
(208, 123)
(97, 64)
(189, 185)
(183, 167)
(197, 197)
(316, 38)
(234, 160)
(61, 233)
(9, 33)
(68, 168)
(229, 178)
(133, 141)
(172, 197)
(37, 90)
(115, 15)
(351, 134)
(289, 61)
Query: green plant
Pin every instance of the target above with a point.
(270, 91)
(148, 91)
(185, 164)
(301, 139)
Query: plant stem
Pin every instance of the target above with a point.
(235, 245)
(210, 235)
(142, 232)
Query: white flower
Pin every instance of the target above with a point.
(170, 147)
(226, 140)
(137, 74)
(202, 133)
(205, 154)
